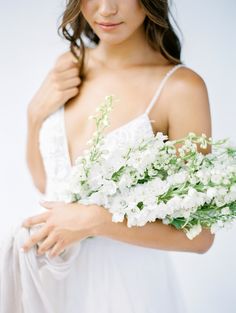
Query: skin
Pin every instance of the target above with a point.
(183, 106)
(60, 84)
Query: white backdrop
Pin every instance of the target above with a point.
(29, 47)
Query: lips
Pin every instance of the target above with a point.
(108, 24)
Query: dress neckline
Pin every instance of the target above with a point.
(145, 114)
(112, 132)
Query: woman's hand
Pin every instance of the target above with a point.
(64, 224)
(59, 86)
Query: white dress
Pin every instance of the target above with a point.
(103, 275)
(109, 276)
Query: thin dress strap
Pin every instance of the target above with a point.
(160, 87)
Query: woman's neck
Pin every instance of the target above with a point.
(132, 52)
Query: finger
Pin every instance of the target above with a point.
(35, 238)
(71, 73)
(48, 243)
(70, 83)
(57, 249)
(51, 204)
(37, 219)
(70, 93)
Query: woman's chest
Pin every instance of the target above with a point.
(131, 101)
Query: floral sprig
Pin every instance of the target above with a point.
(101, 122)
(77, 186)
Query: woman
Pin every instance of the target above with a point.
(136, 55)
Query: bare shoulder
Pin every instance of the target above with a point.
(186, 97)
(186, 90)
(186, 82)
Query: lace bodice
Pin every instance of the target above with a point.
(54, 146)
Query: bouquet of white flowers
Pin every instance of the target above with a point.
(150, 180)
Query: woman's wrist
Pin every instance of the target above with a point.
(35, 118)
(102, 221)
(105, 226)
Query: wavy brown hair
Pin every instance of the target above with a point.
(160, 33)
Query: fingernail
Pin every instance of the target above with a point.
(22, 250)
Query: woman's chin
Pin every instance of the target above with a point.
(112, 39)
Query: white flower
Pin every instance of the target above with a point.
(226, 181)
(194, 231)
(233, 188)
(185, 213)
(192, 200)
(203, 177)
(225, 210)
(166, 221)
(228, 225)
(109, 187)
(161, 137)
(161, 210)
(216, 226)
(216, 177)
(211, 192)
(178, 178)
(125, 181)
(193, 180)
(117, 217)
(96, 198)
(174, 204)
(219, 202)
(222, 191)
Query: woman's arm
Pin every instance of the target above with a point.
(185, 99)
(60, 85)
(65, 224)
(33, 155)
(154, 235)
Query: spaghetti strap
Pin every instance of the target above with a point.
(160, 87)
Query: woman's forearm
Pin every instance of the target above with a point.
(33, 156)
(154, 235)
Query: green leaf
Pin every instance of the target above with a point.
(178, 222)
(116, 176)
(140, 205)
